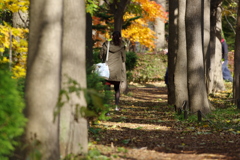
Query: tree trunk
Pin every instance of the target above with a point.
(160, 29)
(236, 78)
(89, 41)
(73, 127)
(208, 60)
(172, 48)
(215, 66)
(119, 8)
(218, 76)
(181, 92)
(43, 78)
(198, 100)
(206, 10)
(20, 19)
(118, 21)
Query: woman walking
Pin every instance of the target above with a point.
(116, 57)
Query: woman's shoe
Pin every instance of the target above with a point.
(107, 114)
(117, 108)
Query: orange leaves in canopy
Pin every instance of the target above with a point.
(152, 10)
(139, 31)
(98, 36)
(96, 20)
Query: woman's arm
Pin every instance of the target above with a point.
(102, 54)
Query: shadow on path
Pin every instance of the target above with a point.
(146, 124)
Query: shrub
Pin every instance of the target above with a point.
(96, 52)
(98, 98)
(149, 67)
(12, 120)
(131, 60)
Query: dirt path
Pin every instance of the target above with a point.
(145, 129)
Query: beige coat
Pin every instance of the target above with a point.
(116, 58)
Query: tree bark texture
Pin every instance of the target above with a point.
(172, 48)
(180, 81)
(198, 100)
(20, 19)
(89, 41)
(73, 127)
(218, 77)
(43, 77)
(118, 9)
(208, 57)
(160, 29)
(206, 10)
(236, 78)
(215, 65)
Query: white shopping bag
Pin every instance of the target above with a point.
(102, 70)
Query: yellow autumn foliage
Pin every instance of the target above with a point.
(18, 70)
(139, 31)
(152, 10)
(18, 46)
(14, 37)
(14, 5)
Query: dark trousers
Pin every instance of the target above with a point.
(116, 89)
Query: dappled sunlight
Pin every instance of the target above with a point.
(121, 126)
(147, 154)
(147, 128)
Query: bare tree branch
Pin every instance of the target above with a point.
(230, 24)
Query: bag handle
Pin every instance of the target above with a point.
(108, 45)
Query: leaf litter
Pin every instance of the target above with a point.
(148, 129)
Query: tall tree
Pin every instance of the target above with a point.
(208, 57)
(214, 63)
(43, 77)
(236, 78)
(57, 48)
(73, 128)
(172, 48)
(198, 99)
(219, 82)
(180, 78)
(89, 40)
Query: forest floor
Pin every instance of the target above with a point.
(147, 128)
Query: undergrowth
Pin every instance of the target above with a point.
(149, 68)
(12, 120)
(225, 117)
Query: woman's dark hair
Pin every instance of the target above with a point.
(116, 38)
